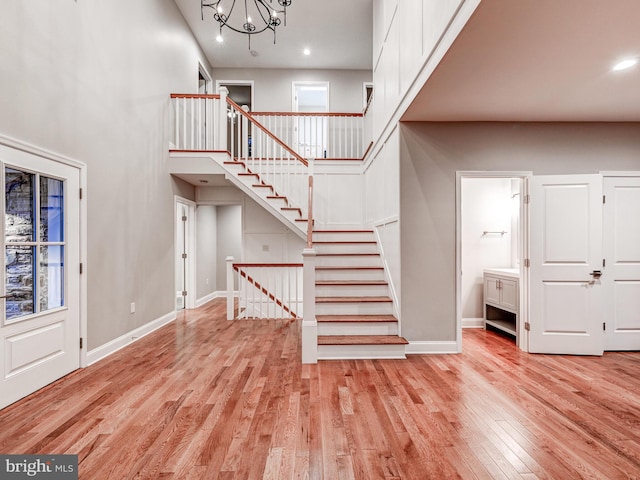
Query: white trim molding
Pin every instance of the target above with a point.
(473, 323)
(422, 348)
(119, 343)
(213, 295)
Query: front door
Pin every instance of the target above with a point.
(40, 319)
(566, 263)
(621, 282)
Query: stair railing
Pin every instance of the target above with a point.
(267, 290)
(265, 155)
(196, 125)
(319, 135)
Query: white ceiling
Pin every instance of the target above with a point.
(337, 32)
(538, 60)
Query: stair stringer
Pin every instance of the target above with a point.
(268, 204)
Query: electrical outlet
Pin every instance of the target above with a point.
(206, 282)
(133, 307)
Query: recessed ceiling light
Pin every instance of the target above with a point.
(219, 39)
(306, 51)
(624, 64)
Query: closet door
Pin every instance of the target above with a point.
(621, 282)
(566, 264)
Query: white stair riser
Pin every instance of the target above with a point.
(354, 308)
(346, 247)
(348, 261)
(352, 290)
(343, 237)
(338, 352)
(350, 274)
(357, 328)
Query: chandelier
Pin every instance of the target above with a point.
(250, 17)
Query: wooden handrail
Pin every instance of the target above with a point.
(308, 114)
(261, 288)
(241, 265)
(195, 95)
(267, 132)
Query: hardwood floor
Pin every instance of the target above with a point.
(204, 398)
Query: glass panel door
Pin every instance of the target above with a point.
(34, 243)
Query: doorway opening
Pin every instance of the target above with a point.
(491, 234)
(241, 92)
(310, 132)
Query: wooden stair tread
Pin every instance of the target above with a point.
(352, 299)
(356, 318)
(337, 283)
(361, 340)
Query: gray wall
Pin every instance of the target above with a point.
(272, 87)
(430, 155)
(206, 248)
(229, 239)
(91, 80)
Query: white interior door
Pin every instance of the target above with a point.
(40, 319)
(621, 282)
(566, 258)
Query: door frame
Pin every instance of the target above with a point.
(242, 83)
(523, 241)
(190, 248)
(14, 144)
(309, 83)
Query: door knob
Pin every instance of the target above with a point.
(596, 274)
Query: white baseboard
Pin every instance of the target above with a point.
(213, 295)
(473, 323)
(116, 344)
(421, 348)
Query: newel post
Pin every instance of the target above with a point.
(221, 141)
(309, 323)
(230, 286)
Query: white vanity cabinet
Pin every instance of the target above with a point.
(501, 302)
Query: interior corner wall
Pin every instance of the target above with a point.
(206, 250)
(91, 81)
(272, 87)
(229, 240)
(430, 155)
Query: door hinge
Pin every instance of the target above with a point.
(603, 262)
(604, 199)
(184, 255)
(184, 218)
(81, 269)
(80, 194)
(527, 198)
(527, 262)
(81, 343)
(184, 293)
(527, 326)
(604, 327)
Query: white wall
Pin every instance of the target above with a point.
(430, 155)
(272, 87)
(382, 207)
(486, 207)
(91, 81)
(409, 39)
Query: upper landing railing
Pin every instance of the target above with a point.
(198, 126)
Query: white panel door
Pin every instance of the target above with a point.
(621, 282)
(566, 256)
(40, 319)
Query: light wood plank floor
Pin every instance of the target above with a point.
(204, 398)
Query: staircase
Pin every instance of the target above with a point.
(354, 311)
